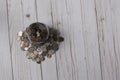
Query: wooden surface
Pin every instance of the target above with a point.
(91, 50)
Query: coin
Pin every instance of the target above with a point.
(22, 44)
(42, 58)
(22, 48)
(30, 55)
(49, 54)
(35, 53)
(26, 48)
(37, 59)
(31, 49)
(55, 46)
(60, 39)
(39, 62)
(39, 51)
(20, 33)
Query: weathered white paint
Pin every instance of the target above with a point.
(5, 58)
(91, 50)
(21, 66)
(108, 13)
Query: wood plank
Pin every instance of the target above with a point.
(49, 70)
(65, 64)
(108, 13)
(5, 58)
(90, 35)
(79, 57)
(22, 67)
(115, 10)
(29, 17)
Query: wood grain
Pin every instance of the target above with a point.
(5, 50)
(22, 68)
(108, 37)
(80, 57)
(91, 50)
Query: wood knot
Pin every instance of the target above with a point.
(27, 15)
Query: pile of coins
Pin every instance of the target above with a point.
(39, 41)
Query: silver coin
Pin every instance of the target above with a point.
(31, 49)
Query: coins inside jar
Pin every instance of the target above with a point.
(39, 41)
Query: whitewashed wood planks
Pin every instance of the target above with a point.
(108, 16)
(5, 57)
(91, 39)
(23, 69)
(91, 50)
(80, 57)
